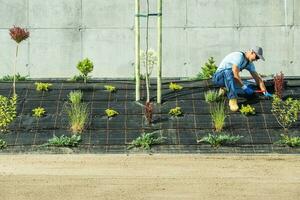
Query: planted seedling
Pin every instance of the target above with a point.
(42, 86)
(176, 112)
(289, 141)
(212, 96)
(2, 144)
(75, 97)
(279, 84)
(64, 141)
(110, 88)
(175, 87)
(11, 78)
(218, 140)
(85, 67)
(146, 141)
(207, 70)
(218, 116)
(247, 110)
(38, 112)
(8, 111)
(111, 113)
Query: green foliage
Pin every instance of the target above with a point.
(285, 112)
(218, 116)
(78, 116)
(2, 144)
(175, 87)
(219, 139)
(176, 112)
(11, 78)
(8, 111)
(85, 67)
(79, 78)
(42, 86)
(110, 88)
(146, 141)
(247, 110)
(75, 97)
(64, 141)
(38, 112)
(212, 96)
(208, 70)
(111, 113)
(289, 141)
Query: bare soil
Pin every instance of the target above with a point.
(85, 177)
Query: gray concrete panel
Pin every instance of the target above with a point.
(7, 55)
(13, 12)
(54, 53)
(297, 12)
(111, 50)
(54, 13)
(296, 51)
(211, 13)
(266, 12)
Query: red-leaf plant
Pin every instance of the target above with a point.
(279, 84)
(149, 112)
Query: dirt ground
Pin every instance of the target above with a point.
(84, 177)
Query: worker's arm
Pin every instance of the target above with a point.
(236, 74)
(258, 80)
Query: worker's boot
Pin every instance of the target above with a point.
(222, 92)
(233, 105)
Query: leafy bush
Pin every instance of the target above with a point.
(64, 141)
(111, 113)
(11, 78)
(42, 86)
(176, 112)
(208, 70)
(218, 116)
(2, 144)
(247, 110)
(75, 97)
(146, 141)
(219, 139)
(285, 112)
(85, 67)
(175, 87)
(8, 111)
(110, 88)
(212, 96)
(289, 141)
(38, 112)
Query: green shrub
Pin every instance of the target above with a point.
(111, 113)
(110, 88)
(8, 111)
(285, 112)
(78, 78)
(208, 70)
(176, 112)
(212, 96)
(247, 110)
(64, 141)
(175, 87)
(146, 141)
(42, 86)
(2, 144)
(289, 141)
(218, 116)
(75, 97)
(38, 112)
(85, 67)
(78, 116)
(11, 78)
(219, 139)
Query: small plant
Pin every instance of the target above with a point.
(8, 111)
(175, 87)
(78, 78)
(146, 141)
(111, 113)
(110, 88)
(9, 78)
(42, 86)
(289, 141)
(64, 141)
(219, 139)
(279, 84)
(2, 144)
(247, 110)
(212, 96)
(75, 97)
(38, 112)
(78, 117)
(85, 67)
(149, 112)
(285, 112)
(208, 70)
(218, 116)
(176, 112)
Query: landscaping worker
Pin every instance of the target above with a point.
(227, 74)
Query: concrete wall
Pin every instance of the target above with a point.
(65, 31)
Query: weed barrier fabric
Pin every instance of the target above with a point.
(106, 135)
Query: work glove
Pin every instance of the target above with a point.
(247, 90)
(267, 94)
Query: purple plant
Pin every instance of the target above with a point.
(279, 84)
(149, 112)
